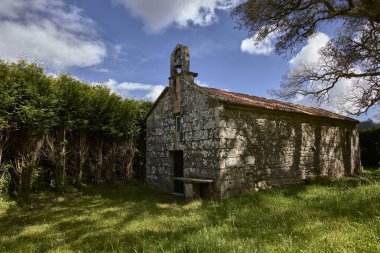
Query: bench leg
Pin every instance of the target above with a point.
(189, 191)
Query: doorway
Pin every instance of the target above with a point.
(178, 170)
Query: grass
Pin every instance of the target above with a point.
(322, 216)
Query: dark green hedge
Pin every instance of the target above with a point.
(60, 131)
(370, 147)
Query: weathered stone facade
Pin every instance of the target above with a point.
(239, 148)
(261, 148)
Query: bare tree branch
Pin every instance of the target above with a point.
(353, 54)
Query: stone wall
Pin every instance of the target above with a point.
(198, 137)
(240, 148)
(261, 148)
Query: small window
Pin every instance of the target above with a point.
(178, 124)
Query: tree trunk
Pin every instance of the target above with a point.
(26, 162)
(97, 157)
(26, 181)
(82, 154)
(111, 162)
(128, 156)
(3, 141)
(60, 174)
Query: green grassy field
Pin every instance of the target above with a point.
(323, 216)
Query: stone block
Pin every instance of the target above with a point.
(230, 133)
(250, 160)
(230, 153)
(231, 162)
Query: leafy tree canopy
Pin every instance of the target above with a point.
(25, 93)
(353, 54)
(33, 102)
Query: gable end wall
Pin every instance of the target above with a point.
(198, 138)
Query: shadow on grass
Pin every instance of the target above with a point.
(129, 218)
(304, 213)
(87, 220)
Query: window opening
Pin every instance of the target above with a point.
(177, 124)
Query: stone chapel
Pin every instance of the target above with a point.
(211, 143)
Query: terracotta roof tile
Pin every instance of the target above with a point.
(271, 104)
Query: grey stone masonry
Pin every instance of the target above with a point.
(198, 135)
(230, 149)
(262, 148)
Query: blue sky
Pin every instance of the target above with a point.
(215, 52)
(126, 44)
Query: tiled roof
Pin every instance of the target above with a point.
(270, 104)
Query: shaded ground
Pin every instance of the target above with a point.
(323, 216)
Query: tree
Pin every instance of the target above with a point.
(368, 124)
(84, 132)
(353, 54)
(30, 114)
(5, 116)
(72, 108)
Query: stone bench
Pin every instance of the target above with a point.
(192, 187)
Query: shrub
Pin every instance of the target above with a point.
(5, 180)
(370, 147)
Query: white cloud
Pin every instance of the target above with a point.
(264, 47)
(158, 15)
(101, 70)
(200, 83)
(151, 92)
(51, 31)
(154, 92)
(343, 89)
(309, 53)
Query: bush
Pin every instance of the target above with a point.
(346, 182)
(59, 131)
(40, 179)
(5, 180)
(370, 147)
